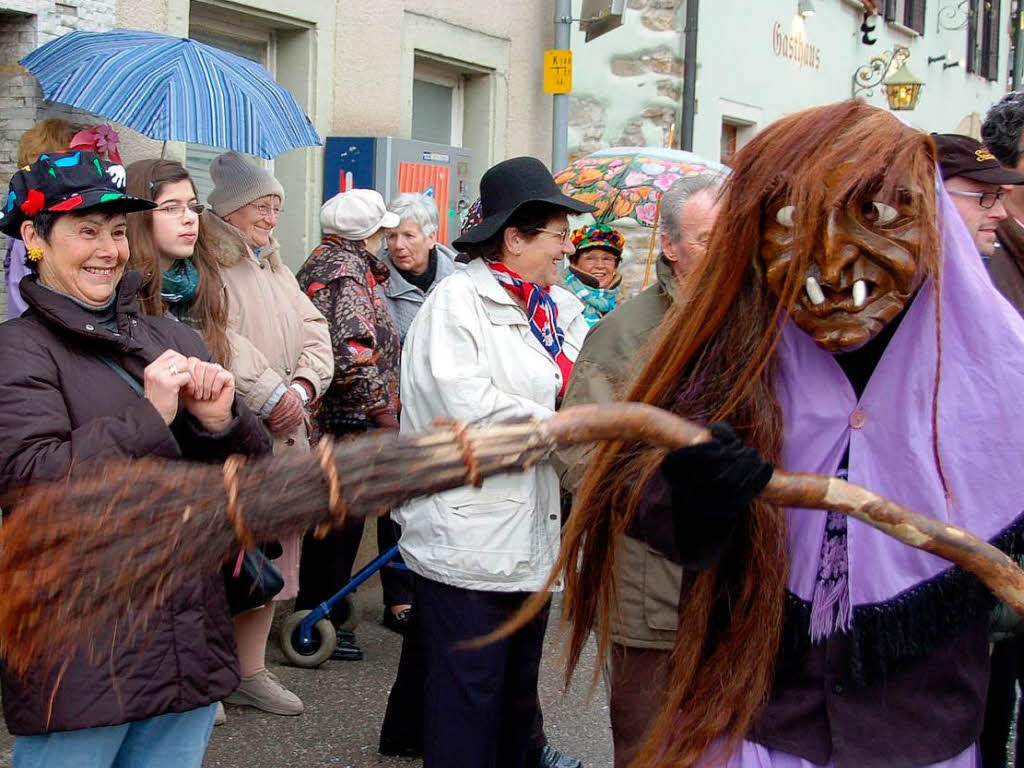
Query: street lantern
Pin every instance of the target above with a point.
(902, 89)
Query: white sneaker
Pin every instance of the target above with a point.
(264, 691)
(220, 716)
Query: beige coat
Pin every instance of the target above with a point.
(276, 336)
(616, 349)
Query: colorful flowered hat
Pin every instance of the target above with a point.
(598, 236)
(65, 182)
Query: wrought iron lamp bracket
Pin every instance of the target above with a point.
(869, 76)
(954, 15)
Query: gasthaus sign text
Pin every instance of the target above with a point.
(792, 46)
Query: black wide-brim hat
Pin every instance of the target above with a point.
(509, 185)
(67, 182)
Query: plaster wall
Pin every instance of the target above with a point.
(350, 63)
(498, 45)
(741, 76)
(628, 83)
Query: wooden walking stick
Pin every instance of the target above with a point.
(80, 556)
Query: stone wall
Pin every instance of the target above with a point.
(627, 91)
(628, 83)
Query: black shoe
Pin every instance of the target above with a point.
(390, 748)
(397, 622)
(345, 649)
(552, 758)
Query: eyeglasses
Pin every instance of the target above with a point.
(562, 235)
(178, 209)
(985, 199)
(598, 258)
(267, 211)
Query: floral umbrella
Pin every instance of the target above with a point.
(626, 182)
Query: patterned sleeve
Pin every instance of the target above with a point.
(348, 305)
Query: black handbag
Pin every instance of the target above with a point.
(251, 581)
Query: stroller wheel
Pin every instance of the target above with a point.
(317, 651)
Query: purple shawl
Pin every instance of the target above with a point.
(15, 269)
(981, 444)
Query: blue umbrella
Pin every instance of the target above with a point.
(173, 89)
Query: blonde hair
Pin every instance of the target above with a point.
(50, 135)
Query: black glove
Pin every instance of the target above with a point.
(712, 486)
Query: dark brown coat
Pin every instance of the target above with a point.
(1006, 266)
(61, 407)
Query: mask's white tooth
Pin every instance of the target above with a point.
(860, 293)
(814, 292)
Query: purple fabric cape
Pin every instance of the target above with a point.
(15, 269)
(981, 432)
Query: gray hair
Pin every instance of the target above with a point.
(1002, 128)
(420, 208)
(675, 197)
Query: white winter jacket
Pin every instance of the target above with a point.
(470, 355)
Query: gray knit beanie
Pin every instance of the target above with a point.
(237, 180)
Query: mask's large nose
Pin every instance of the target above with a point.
(838, 252)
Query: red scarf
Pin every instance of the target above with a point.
(542, 312)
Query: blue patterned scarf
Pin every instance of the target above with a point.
(597, 302)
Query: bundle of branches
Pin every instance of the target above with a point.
(80, 555)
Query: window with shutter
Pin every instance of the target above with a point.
(991, 52)
(913, 15)
(973, 46)
(889, 9)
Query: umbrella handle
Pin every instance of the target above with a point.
(650, 250)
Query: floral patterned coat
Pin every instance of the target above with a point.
(341, 279)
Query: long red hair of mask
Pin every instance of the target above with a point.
(713, 360)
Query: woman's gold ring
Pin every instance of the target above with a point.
(174, 370)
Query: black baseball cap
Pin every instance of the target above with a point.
(963, 156)
(71, 182)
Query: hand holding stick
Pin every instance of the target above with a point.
(639, 423)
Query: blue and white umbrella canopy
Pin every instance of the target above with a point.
(173, 89)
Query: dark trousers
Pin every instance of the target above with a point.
(326, 567)
(1000, 707)
(402, 729)
(327, 564)
(639, 679)
(397, 584)
(480, 704)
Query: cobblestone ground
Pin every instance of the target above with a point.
(345, 704)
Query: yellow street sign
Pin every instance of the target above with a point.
(558, 71)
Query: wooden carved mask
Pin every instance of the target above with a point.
(863, 268)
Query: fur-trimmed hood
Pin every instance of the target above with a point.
(228, 244)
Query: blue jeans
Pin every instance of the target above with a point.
(165, 741)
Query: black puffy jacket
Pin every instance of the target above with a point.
(61, 406)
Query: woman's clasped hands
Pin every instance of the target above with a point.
(206, 390)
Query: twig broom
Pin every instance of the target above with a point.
(80, 555)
